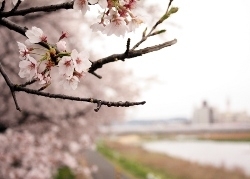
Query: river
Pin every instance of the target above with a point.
(227, 154)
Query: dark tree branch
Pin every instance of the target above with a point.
(130, 54)
(50, 8)
(90, 100)
(14, 88)
(127, 47)
(10, 84)
(16, 6)
(13, 26)
(2, 6)
(21, 30)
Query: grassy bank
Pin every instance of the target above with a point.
(132, 167)
(139, 163)
(216, 136)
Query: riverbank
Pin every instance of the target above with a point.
(133, 159)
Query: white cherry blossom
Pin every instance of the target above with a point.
(81, 5)
(117, 27)
(81, 61)
(134, 24)
(69, 82)
(23, 51)
(97, 27)
(28, 68)
(103, 3)
(66, 66)
(35, 35)
(61, 45)
(43, 78)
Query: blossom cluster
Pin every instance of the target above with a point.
(71, 65)
(117, 17)
(24, 155)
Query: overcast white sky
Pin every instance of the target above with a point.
(211, 60)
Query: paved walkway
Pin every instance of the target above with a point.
(105, 169)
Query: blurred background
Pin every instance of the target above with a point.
(195, 124)
(197, 94)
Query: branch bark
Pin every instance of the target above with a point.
(130, 54)
(50, 8)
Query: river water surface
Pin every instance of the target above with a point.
(228, 154)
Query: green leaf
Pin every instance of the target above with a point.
(168, 14)
(158, 32)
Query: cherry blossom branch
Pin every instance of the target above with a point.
(90, 100)
(14, 88)
(99, 63)
(50, 8)
(129, 54)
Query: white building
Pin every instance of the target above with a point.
(204, 114)
(207, 114)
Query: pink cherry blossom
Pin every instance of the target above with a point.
(64, 35)
(97, 27)
(81, 5)
(103, 3)
(23, 50)
(61, 45)
(28, 68)
(134, 24)
(81, 61)
(117, 27)
(66, 66)
(35, 35)
(43, 78)
(69, 82)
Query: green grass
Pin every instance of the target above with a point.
(134, 168)
(64, 173)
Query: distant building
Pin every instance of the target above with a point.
(207, 114)
(204, 114)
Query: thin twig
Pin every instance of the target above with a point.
(144, 37)
(50, 8)
(16, 6)
(131, 54)
(27, 83)
(10, 84)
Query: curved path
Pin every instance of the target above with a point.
(105, 169)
